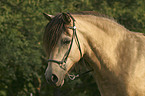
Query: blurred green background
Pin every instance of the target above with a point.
(22, 59)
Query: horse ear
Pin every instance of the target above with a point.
(66, 18)
(48, 17)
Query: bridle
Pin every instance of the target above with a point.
(62, 63)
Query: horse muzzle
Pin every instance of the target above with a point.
(53, 79)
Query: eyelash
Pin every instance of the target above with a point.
(65, 41)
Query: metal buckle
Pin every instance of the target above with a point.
(63, 66)
(72, 77)
(74, 27)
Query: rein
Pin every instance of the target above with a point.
(62, 63)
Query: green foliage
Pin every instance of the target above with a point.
(20, 48)
(22, 62)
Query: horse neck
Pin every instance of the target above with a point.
(101, 37)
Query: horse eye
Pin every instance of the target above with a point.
(65, 41)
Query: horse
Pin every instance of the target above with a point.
(116, 54)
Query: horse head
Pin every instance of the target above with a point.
(62, 47)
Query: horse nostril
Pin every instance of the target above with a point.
(54, 78)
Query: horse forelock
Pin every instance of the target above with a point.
(53, 31)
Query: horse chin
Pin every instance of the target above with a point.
(59, 84)
(62, 82)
